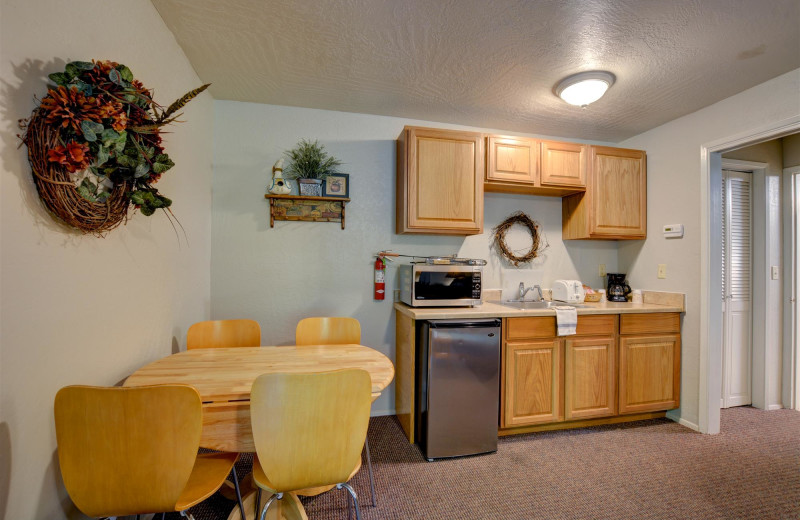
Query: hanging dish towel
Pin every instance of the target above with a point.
(566, 319)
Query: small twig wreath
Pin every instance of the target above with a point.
(500, 238)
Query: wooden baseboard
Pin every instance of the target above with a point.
(581, 424)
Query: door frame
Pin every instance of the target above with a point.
(757, 173)
(710, 250)
(791, 357)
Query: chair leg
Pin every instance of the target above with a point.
(238, 493)
(369, 470)
(258, 503)
(272, 499)
(187, 514)
(352, 492)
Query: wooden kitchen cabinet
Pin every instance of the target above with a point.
(533, 389)
(590, 372)
(439, 182)
(524, 165)
(511, 161)
(614, 205)
(649, 362)
(563, 164)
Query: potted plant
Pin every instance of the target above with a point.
(309, 163)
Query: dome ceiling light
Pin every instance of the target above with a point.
(585, 87)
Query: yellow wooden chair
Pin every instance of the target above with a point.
(223, 334)
(334, 331)
(132, 451)
(308, 430)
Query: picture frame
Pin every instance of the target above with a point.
(337, 185)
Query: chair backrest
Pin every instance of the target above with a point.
(309, 429)
(223, 334)
(126, 451)
(336, 331)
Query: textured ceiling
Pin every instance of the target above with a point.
(488, 63)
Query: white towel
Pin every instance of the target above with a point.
(566, 319)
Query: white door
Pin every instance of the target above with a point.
(737, 336)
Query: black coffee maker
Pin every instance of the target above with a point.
(617, 289)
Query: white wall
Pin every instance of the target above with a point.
(296, 269)
(80, 309)
(673, 196)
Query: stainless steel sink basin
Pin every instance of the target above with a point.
(529, 305)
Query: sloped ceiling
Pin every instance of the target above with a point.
(489, 63)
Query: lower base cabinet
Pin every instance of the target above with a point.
(649, 362)
(615, 368)
(590, 378)
(533, 389)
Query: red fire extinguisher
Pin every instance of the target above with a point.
(380, 278)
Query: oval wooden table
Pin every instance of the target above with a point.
(224, 376)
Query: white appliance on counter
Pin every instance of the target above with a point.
(569, 291)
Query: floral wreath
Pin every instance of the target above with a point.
(94, 145)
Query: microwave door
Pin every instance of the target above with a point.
(443, 285)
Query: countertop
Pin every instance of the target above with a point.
(654, 301)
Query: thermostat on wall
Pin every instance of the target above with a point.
(673, 231)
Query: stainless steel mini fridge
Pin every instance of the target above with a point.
(458, 387)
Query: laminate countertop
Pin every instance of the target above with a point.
(654, 301)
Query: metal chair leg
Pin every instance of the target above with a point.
(258, 502)
(352, 492)
(238, 493)
(272, 499)
(369, 470)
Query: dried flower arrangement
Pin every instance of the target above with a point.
(95, 148)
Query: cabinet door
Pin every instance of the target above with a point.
(590, 378)
(533, 391)
(618, 193)
(649, 373)
(563, 164)
(512, 160)
(440, 182)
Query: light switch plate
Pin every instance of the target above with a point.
(775, 272)
(602, 270)
(662, 270)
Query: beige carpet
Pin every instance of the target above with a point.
(648, 470)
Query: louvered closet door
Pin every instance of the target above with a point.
(736, 288)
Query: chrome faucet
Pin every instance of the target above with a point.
(523, 291)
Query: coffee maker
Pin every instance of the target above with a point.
(617, 289)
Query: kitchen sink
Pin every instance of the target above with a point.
(529, 305)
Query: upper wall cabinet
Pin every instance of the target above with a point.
(439, 182)
(523, 165)
(615, 203)
(563, 164)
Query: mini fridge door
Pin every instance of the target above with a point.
(462, 388)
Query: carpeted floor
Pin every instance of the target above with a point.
(647, 470)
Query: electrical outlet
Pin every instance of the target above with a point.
(662, 270)
(775, 272)
(602, 269)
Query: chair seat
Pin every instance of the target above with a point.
(261, 480)
(209, 472)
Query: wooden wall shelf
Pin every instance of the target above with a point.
(309, 209)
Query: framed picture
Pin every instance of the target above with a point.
(336, 186)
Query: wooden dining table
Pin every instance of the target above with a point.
(224, 376)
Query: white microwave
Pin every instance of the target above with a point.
(425, 285)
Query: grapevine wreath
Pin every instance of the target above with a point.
(533, 227)
(94, 145)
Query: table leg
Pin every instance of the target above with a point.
(289, 508)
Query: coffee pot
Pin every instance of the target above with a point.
(617, 289)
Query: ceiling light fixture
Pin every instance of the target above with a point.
(585, 87)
